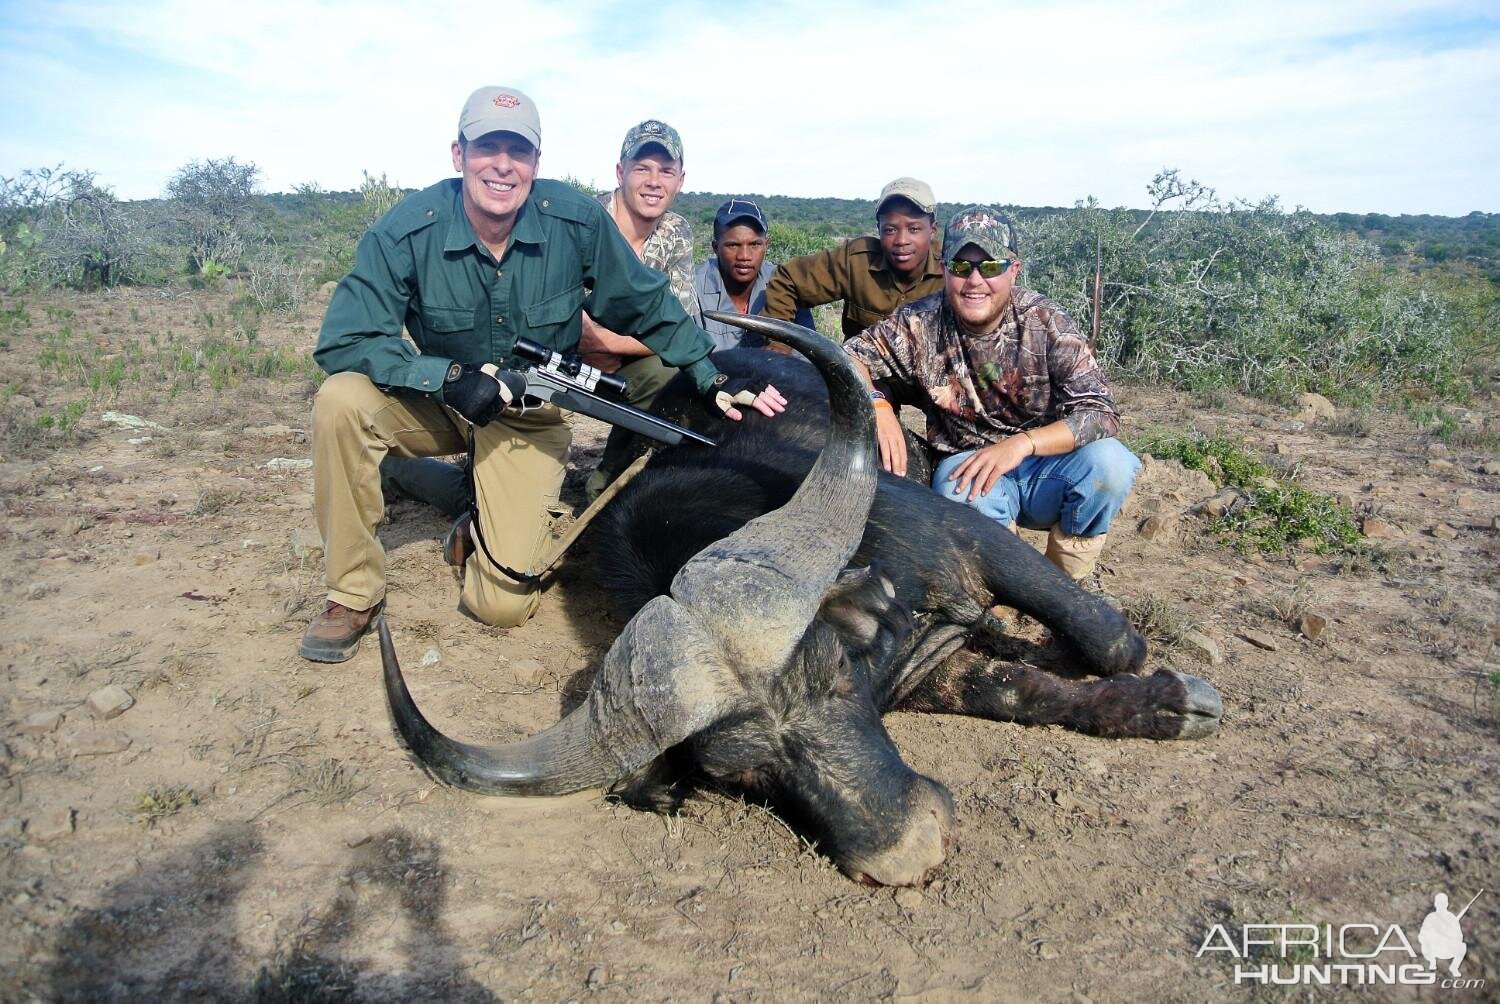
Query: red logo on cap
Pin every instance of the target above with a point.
(507, 100)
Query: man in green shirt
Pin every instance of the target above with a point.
(467, 266)
(872, 275)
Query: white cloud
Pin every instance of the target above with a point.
(1384, 106)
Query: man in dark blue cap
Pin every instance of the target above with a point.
(734, 279)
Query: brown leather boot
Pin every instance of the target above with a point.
(459, 543)
(333, 635)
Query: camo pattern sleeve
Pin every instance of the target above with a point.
(1034, 370)
(669, 249)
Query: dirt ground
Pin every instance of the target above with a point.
(249, 828)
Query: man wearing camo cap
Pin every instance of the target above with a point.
(1018, 409)
(648, 177)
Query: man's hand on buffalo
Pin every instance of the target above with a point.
(726, 392)
(891, 439)
(480, 391)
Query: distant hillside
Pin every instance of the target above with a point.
(1417, 241)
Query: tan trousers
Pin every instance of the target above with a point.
(518, 472)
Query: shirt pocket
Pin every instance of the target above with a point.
(863, 316)
(548, 320)
(448, 331)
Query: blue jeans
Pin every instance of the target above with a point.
(1081, 491)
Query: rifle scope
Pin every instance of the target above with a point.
(571, 366)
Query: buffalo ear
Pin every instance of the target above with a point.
(860, 605)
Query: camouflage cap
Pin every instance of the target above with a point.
(914, 191)
(986, 229)
(648, 132)
(500, 109)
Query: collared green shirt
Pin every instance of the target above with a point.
(857, 273)
(421, 267)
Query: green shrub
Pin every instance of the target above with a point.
(1273, 513)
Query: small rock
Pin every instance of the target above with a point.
(1260, 640)
(1150, 505)
(1312, 625)
(1203, 646)
(50, 825)
(1344, 499)
(37, 590)
(1316, 405)
(909, 899)
(1262, 422)
(431, 658)
(289, 464)
(1438, 464)
(1490, 467)
(41, 723)
(356, 837)
(1279, 448)
(96, 742)
(1495, 522)
(597, 977)
(307, 542)
(138, 440)
(1293, 426)
(1221, 503)
(1443, 531)
(76, 525)
(530, 672)
(108, 702)
(1046, 951)
(125, 421)
(1159, 525)
(1466, 500)
(147, 556)
(617, 927)
(1378, 529)
(11, 827)
(1242, 580)
(1437, 450)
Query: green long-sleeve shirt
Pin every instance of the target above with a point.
(420, 266)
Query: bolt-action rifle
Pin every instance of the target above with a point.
(572, 385)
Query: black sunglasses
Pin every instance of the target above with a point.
(989, 268)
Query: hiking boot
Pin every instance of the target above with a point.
(333, 635)
(459, 543)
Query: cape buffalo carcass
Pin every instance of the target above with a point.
(783, 595)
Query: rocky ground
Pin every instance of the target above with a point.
(189, 810)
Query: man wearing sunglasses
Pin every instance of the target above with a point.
(1018, 410)
(872, 275)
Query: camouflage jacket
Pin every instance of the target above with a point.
(669, 250)
(978, 389)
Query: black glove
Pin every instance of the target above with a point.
(727, 391)
(480, 391)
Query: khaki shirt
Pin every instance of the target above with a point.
(857, 273)
(1036, 369)
(422, 268)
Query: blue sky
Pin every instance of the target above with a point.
(1376, 106)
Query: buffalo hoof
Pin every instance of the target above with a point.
(1165, 705)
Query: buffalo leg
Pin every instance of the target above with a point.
(1165, 705)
